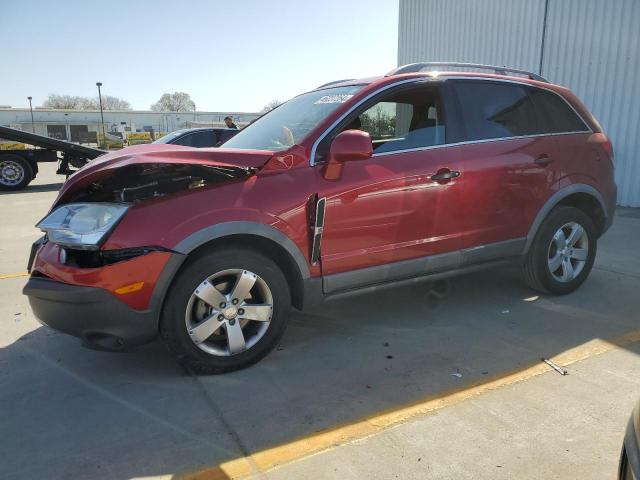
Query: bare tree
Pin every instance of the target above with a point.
(69, 102)
(271, 105)
(174, 102)
(64, 102)
(113, 103)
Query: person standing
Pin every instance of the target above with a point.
(228, 120)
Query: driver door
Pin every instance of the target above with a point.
(393, 215)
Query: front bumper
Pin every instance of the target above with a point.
(92, 314)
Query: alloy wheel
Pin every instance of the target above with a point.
(229, 312)
(568, 252)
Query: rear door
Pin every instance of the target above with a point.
(508, 162)
(577, 152)
(390, 208)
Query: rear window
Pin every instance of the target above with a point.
(495, 110)
(556, 116)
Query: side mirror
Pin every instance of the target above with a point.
(347, 146)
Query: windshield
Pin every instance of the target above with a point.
(287, 124)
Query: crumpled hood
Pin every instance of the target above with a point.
(163, 154)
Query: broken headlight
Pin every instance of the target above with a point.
(82, 226)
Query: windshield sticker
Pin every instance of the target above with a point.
(333, 99)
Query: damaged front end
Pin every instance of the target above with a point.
(95, 200)
(139, 182)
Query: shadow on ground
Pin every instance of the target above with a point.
(45, 187)
(68, 412)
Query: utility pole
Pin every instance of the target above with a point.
(104, 136)
(33, 125)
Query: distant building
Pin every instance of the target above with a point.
(82, 126)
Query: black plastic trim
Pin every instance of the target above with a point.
(556, 198)
(414, 280)
(226, 229)
(417, 267)
(92, 314)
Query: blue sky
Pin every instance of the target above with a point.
(228, 55)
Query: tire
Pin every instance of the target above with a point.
(15, 172)
(187, 336)
(550, 249)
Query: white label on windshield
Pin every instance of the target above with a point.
(333, 99)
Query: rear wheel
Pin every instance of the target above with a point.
(226, 310)
(562, 253)
(15, 172)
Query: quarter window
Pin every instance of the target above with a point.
(554, 113)
(495, 110)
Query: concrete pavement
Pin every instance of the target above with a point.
(68, 412)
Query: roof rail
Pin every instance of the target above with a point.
(425, 66)
(334, 82)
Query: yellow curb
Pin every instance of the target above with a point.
(5, 276)
(317, 442)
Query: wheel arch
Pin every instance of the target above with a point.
(581, 196)
(262, 238)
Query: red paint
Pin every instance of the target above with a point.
(146, 268)
(349, 145)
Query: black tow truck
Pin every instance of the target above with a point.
(19, 167)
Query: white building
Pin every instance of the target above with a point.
(82, 125)
(590, 46)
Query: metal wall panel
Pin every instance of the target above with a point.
(497, 32)
(591, 46)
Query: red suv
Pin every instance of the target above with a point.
(351, 187)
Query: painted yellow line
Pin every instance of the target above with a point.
(273, 457)
(5, 276)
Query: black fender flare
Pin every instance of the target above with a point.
(213, 232)
(554, 200)
(226, 229)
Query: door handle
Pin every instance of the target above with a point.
(444, 175)
(543, 160)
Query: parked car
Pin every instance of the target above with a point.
(630, 458)
(198, 137)
(352, 187)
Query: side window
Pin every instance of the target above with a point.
(204, 139)
(403, 120)
(495, 110)
(554, 113)
(185, 140)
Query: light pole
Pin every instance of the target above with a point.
(194, 111)
(67, 132)
(33, 125)
(104, 137)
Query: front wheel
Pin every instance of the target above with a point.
(226, 310)
(15, 172)
(562, 253)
